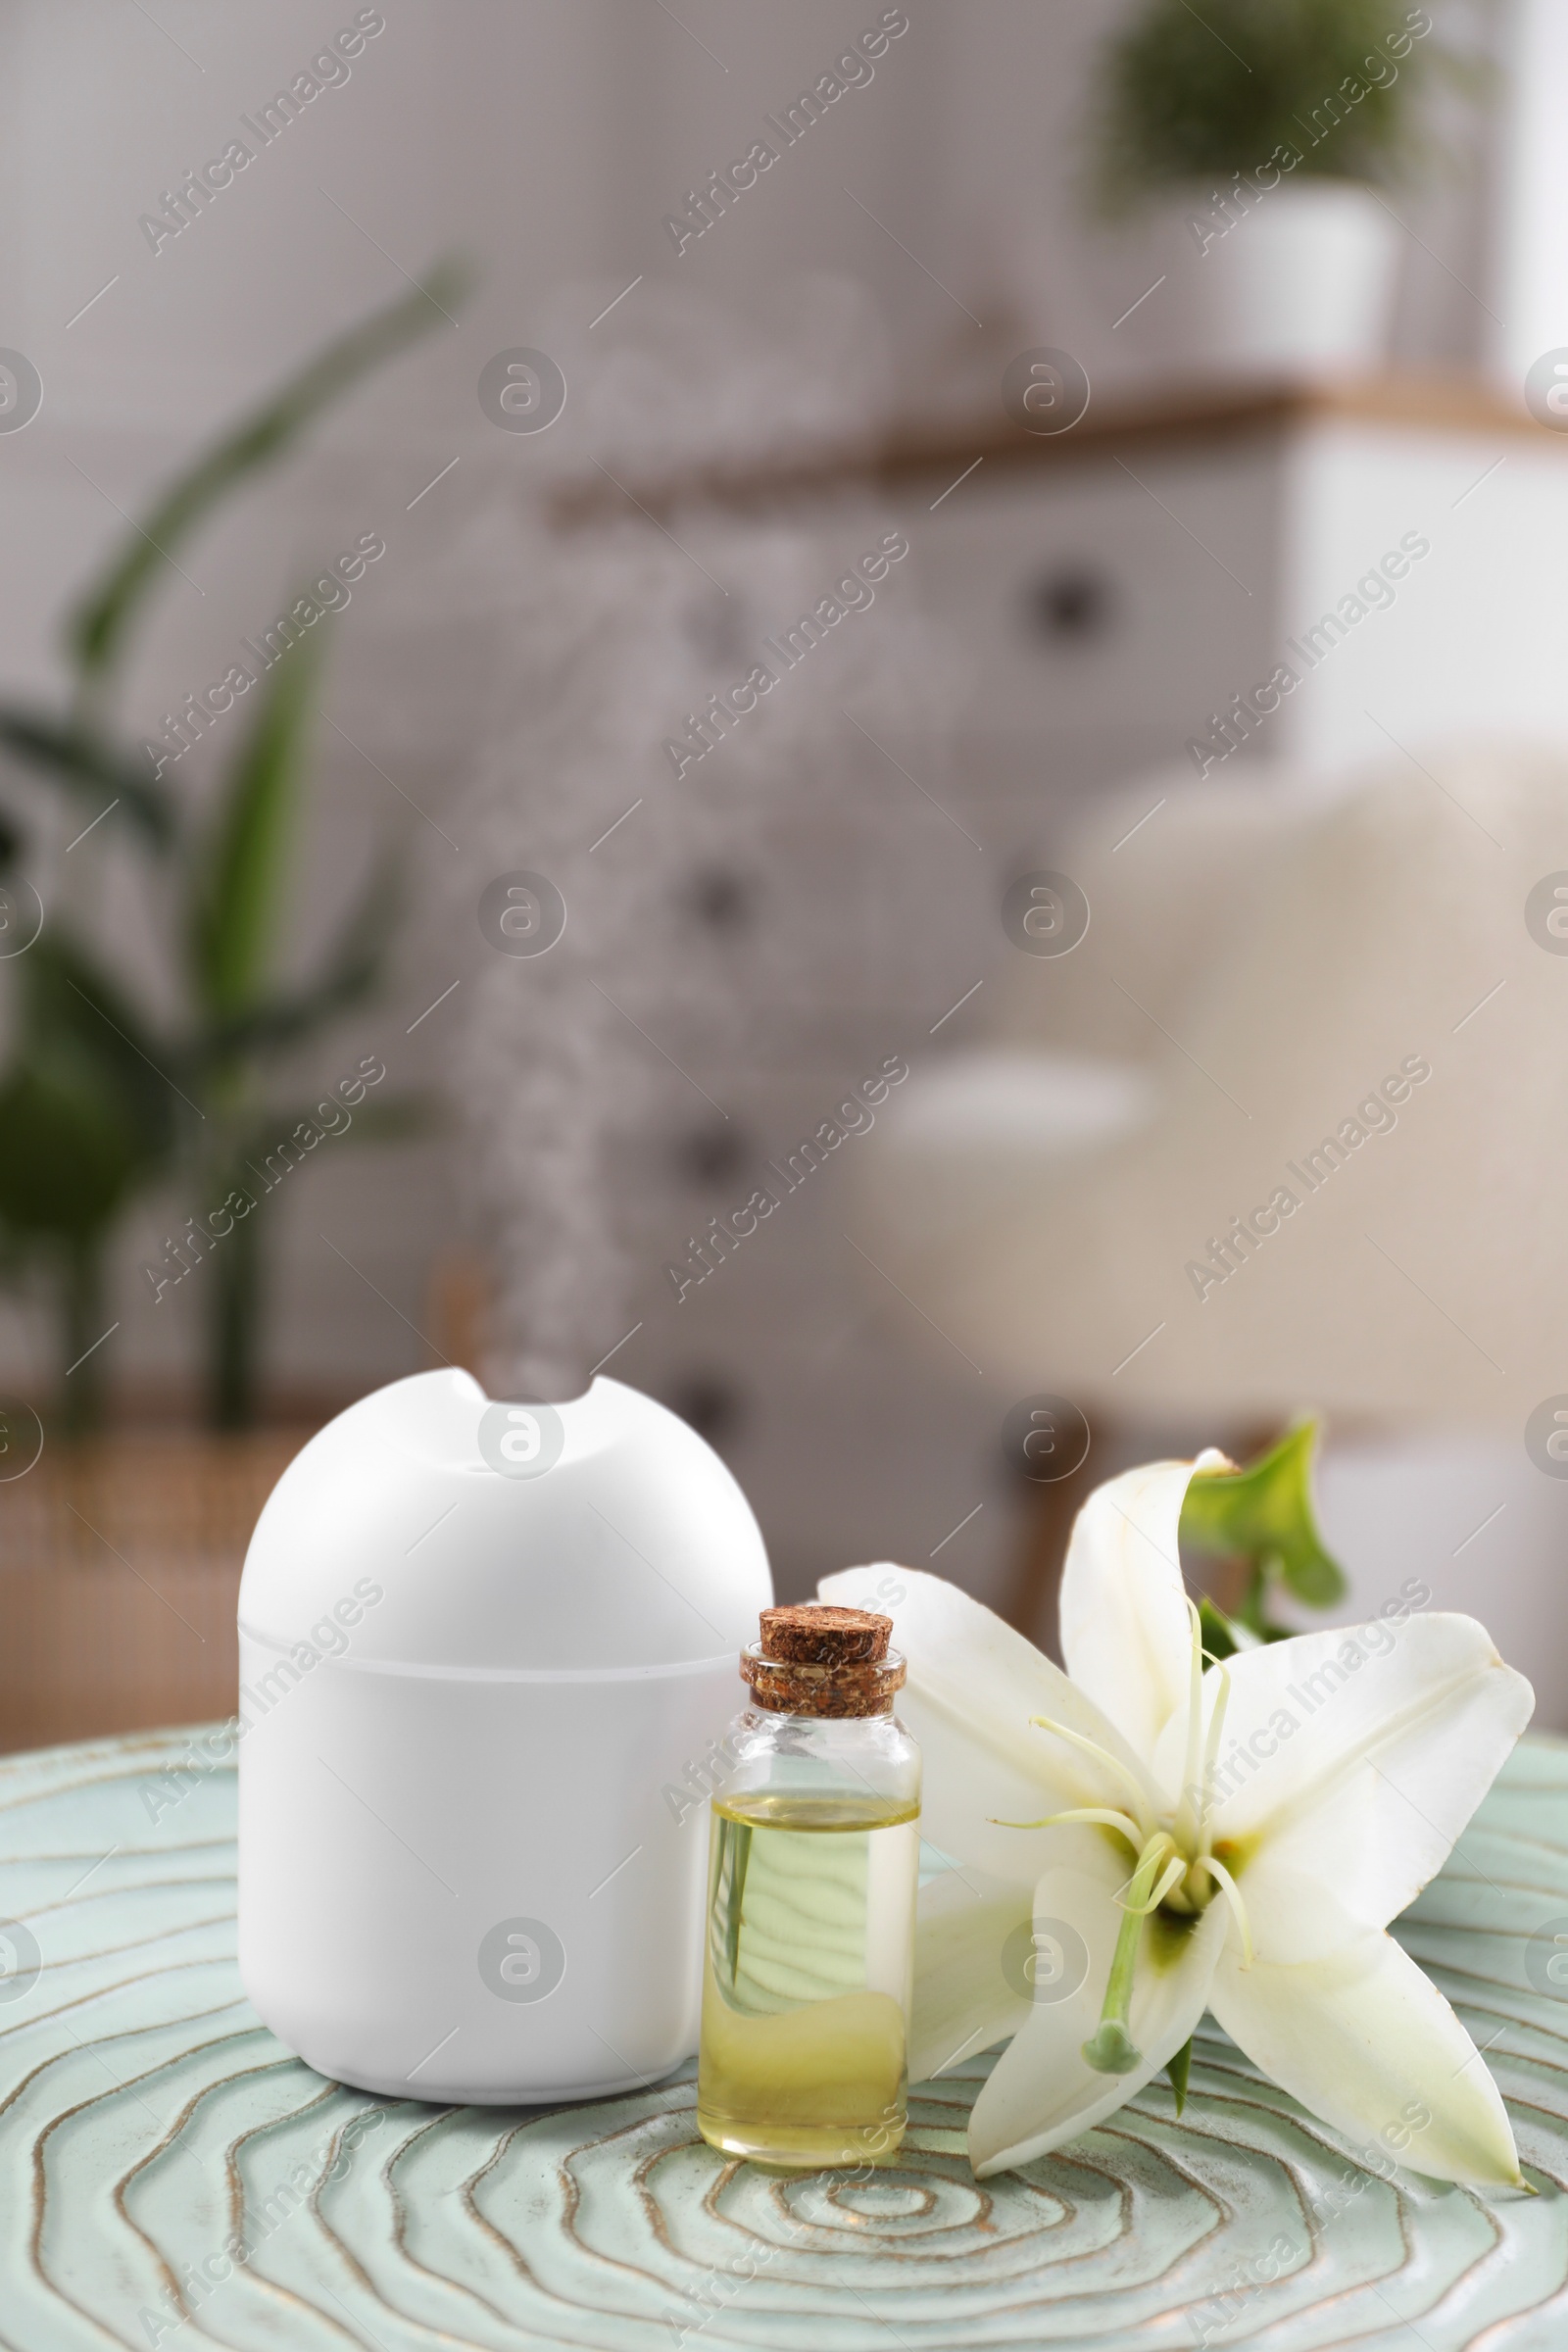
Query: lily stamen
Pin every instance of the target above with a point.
(1171, 1876)
(1127, 1896)
(1104, 1814)
(1189, 1812)
(1102, 1755)
(1233, 1895)
(1216, 1727)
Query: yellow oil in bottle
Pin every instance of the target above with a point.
(808, 1977)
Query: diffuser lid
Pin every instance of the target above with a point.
(597, 1535)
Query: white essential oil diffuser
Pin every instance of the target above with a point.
(484, 1649)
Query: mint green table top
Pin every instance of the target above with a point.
(147, 2121)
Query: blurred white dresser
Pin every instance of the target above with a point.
(1118, 587)
(1108, 596)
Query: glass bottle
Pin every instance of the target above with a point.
(808, 1973)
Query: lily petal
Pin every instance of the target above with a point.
(974, 1689)
(1042, 2092)
(1351, 1763)
(1368, 2044)
(966, 1927)
(1125, 1628)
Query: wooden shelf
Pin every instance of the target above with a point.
(1190, 414)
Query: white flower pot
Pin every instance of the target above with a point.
(1299, 283)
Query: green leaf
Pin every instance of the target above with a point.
(354, 968)
(69, 1154)
(85, 1117)
(74, 1017)
(236, 901)
(1189, 94)
(1265, 1513)
(1177, 2070)
(96, 631)
(96, 772)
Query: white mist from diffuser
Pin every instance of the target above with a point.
(483, 1649)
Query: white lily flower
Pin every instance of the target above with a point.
(1235, 1841)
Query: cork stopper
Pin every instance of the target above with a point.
(815, 1659)
(813, 1634)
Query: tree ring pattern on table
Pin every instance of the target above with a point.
(162, 2154)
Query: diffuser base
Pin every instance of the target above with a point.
(445, 2091)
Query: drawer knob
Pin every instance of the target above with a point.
(1071, 604)
(720, 899)
(710, 1156)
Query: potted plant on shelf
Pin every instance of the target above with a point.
(1259, 133)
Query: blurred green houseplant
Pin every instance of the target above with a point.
(1321, 88)
(102, 1097)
